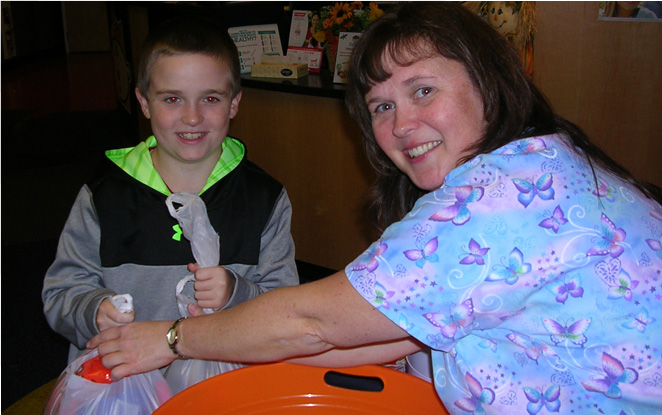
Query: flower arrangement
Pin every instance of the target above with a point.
(345, 17)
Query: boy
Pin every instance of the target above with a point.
(120, 237)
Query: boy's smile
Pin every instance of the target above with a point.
(190, 106)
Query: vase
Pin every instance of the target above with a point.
(331, 50)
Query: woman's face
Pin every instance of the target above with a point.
(425, 116)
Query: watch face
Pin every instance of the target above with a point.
(171, 337)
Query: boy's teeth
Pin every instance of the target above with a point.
(422, 149)
(190, 136)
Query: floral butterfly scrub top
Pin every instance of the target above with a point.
(536, 286)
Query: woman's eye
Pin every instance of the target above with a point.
(422, 92)
(382, 108)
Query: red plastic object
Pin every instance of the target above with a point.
(95, 371)
(288, 389)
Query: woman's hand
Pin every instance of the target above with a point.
(134, 348)
(213, 286)
(108, 316)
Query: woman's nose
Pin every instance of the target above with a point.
(192, 115)
(404, 121)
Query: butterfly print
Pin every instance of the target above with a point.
(574, 332)
(421, 256)
(459, 213)
(654, 381)
(373, 291)
(475, 254)
(619, 283)
(555, 221)
(610, 239)
(372, 264)
(524, 146)
(655, 245)
(479, 396)
(549, 399)
(488, 344)
(528, 190)
(532, 348)
(509, 398)
(616, 373)
(604, 190)
(461, 316)
(639, 321)
(511, 272)
(568, 285)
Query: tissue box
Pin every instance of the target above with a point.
(279, 70)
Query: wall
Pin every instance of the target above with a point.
(311, 146)
(606, 77)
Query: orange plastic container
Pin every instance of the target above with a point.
(289, 389)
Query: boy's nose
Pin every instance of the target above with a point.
(192, 116)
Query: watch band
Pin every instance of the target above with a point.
(173, 338)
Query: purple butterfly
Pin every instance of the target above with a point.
(639, 321)
(528, 190)
(574, 332)
(531, 348)
(421, 256)
(375, 251)
(475, 254)
(537, 399)
(568, 285)
(555, 221)
(511, 272)
(655, 245)
(604, 190)
(461, 316)
(479, 396)
(616, 373)
(611, 237)
(524, 146)
(459, 212)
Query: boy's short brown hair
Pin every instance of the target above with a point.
(190, 34)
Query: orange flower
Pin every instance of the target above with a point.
(340, 13)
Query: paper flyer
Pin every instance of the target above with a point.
(346, 41)
(254, 41)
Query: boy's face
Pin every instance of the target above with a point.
(190, 106)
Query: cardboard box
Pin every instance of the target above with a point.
(282, 70)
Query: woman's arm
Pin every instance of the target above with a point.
(302, 321)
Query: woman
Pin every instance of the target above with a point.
(512, 245)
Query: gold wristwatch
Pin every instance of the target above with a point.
(173, 338)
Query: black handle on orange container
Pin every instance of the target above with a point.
(353, 382)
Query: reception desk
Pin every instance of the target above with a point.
(299, 132)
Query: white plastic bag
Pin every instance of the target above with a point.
(134, 395)
(194, 221)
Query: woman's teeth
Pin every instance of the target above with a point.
(190, 136)
(422, 149)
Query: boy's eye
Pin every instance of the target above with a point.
(171, 100)
(211, 100)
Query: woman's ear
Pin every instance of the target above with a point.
(144, 103)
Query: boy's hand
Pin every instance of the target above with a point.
(108, 316)
(213, 286)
